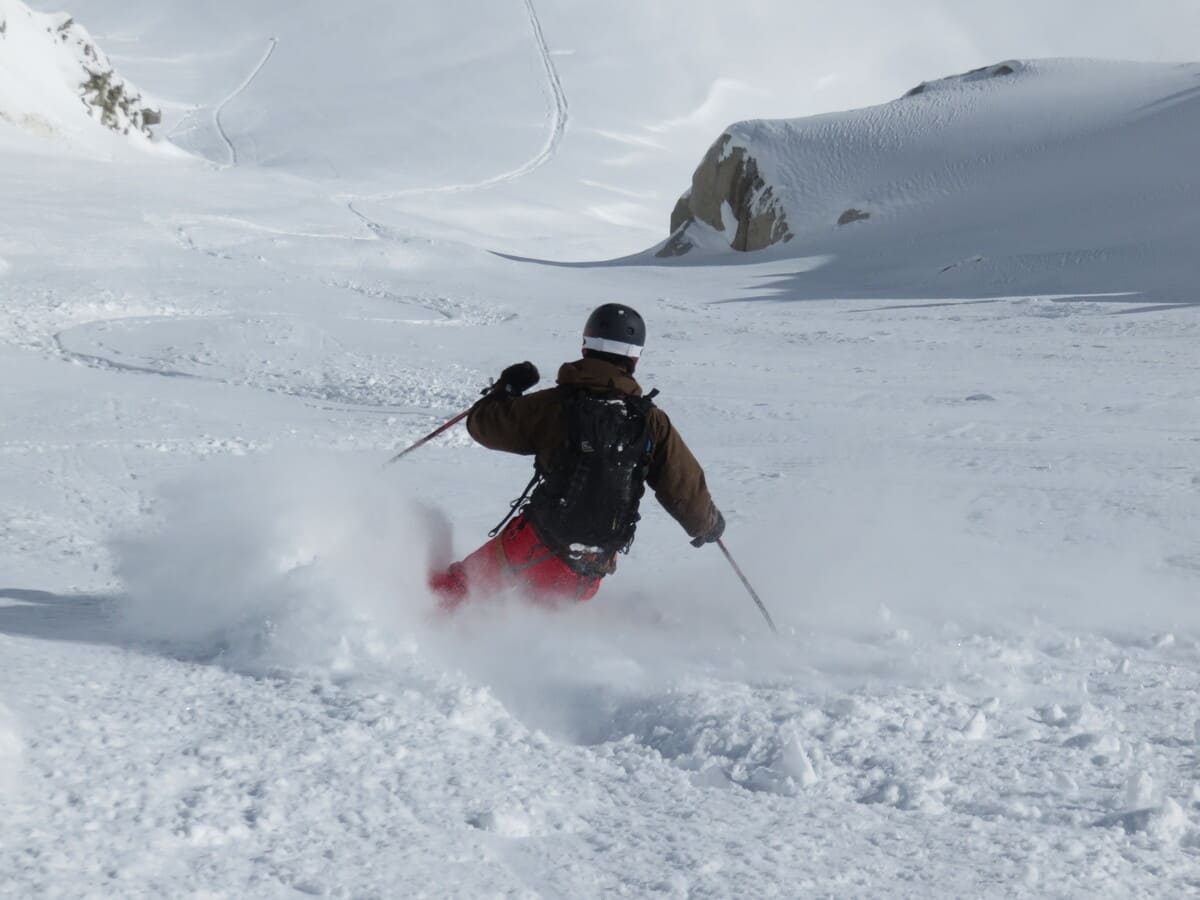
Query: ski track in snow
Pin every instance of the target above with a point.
(559, 114)
(233, 155)
(340, 379)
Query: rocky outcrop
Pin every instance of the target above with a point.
(53, 68)
(727, 185)
(108, 97)
(766, 181)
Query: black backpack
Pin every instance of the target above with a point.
(585, 506)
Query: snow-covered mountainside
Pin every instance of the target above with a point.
(57, 83)
(971, 508)
(1055, 176)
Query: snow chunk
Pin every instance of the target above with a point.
(976, 728)
(510, 822)
(1138, 790)
(1167, 823)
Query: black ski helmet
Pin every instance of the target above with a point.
(615, 329)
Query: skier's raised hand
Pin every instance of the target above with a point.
(517, 379)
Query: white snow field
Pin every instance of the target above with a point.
(969, 498)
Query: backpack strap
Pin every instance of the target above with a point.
(515, 505)
(643, 405)
(569, 396)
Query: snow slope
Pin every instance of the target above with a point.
(973, 519)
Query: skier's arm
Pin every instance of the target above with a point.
(678, 480)
(511, 424)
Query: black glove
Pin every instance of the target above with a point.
(713, 534)
(516, 379)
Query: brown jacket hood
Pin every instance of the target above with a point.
(597, 375)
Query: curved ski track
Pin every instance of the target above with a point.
(233, 156)
(557, 120)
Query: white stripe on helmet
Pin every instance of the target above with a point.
(620, 348)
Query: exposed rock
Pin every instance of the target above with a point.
(61, 68)
(974, 75)
(728, 181)
(961, 262)
(105, 94)
(109, 97)
(682, 213)
(853, 215)
(677, 244)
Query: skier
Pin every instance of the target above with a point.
(596, 443)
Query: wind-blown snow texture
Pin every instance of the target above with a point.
(973, 512)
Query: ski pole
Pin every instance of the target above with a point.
(746, 582)
(429, 437)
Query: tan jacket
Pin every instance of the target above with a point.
(534, 425)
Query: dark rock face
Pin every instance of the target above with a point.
(728, 174)
(973, 75)
(853, 215)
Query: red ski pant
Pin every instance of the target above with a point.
(516, 557)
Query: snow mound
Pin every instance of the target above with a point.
(56, 82)
(1043, 173)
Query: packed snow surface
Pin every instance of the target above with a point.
(972, 511)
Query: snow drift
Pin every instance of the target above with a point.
(56, 82)
(1049, 175)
